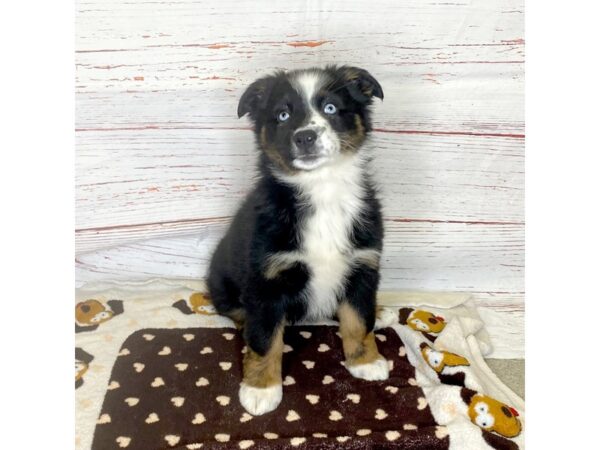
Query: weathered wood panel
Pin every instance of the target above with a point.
(136, 184)
(161, 154)
(417, 256)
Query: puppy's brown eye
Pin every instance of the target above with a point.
(283, 116)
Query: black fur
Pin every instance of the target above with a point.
(270, 218)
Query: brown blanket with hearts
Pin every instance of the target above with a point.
(173, 384)
(178, 389)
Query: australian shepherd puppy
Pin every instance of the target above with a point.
(306, 242)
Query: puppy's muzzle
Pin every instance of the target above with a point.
(305, 143)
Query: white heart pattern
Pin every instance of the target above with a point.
(172, 439)
(342, 438)
(206, 350)
(148, 337)
(392, 389)
(363, 432)
(165, 351)
(152, 418)
(222, 437)
(198, 419)
(228, 336)
(313, 399)
(113, 385)
(123, 441)
(297, 441)
(335, 415)
(292, 416)
(271, 435)
(289, 381)
(392, 435)
(188, 337)
(223, 400)
(132, 401)
(323, 348)
(306, 334)
(247, 443)
(327, 379)
(181, 366)
(124, 352)
(157, 382)
(178, 401)
(225, 365)
(380, 414)
(287, 349)
(309, 364)
(138, 367)
(354, 398)
(421, 403)
(104, 418)
(246, 417)
(202, 382)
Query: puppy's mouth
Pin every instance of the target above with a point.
(309, 162)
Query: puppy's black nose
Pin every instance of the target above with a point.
(305, 139)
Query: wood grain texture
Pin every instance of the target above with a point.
(162, 159)
(176, 182)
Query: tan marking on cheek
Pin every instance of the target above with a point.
(359, 346)
(273, 154)
(265, 371)
(353, 139)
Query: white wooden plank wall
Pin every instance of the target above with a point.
(162, 159)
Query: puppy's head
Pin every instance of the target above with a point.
(305, 119)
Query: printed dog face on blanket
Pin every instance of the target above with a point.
(306, 241)
(438, 359)
(82, 364)
(492, 415)
(199, 303)
(423, 321)
(91, 313)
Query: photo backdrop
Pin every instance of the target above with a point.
(162, 159)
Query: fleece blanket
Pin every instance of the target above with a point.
(156, 368)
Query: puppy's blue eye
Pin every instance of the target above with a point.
(329, 108)
(283, 116)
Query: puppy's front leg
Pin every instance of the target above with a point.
(357, 318)
(261, 389)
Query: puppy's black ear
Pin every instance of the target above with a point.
(255, 97)
(361, 85)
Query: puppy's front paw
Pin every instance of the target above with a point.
(258, 401)
(375, 371)
(386, 317)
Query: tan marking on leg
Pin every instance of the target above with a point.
(359, 346)
(238, 316)
(265, 371)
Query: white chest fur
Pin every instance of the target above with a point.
(335, 195)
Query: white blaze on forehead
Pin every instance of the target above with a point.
(308, 84)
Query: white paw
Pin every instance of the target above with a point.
(386, 317)
(375, 371)
(258, 401)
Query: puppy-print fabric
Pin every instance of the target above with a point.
(163, 372)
